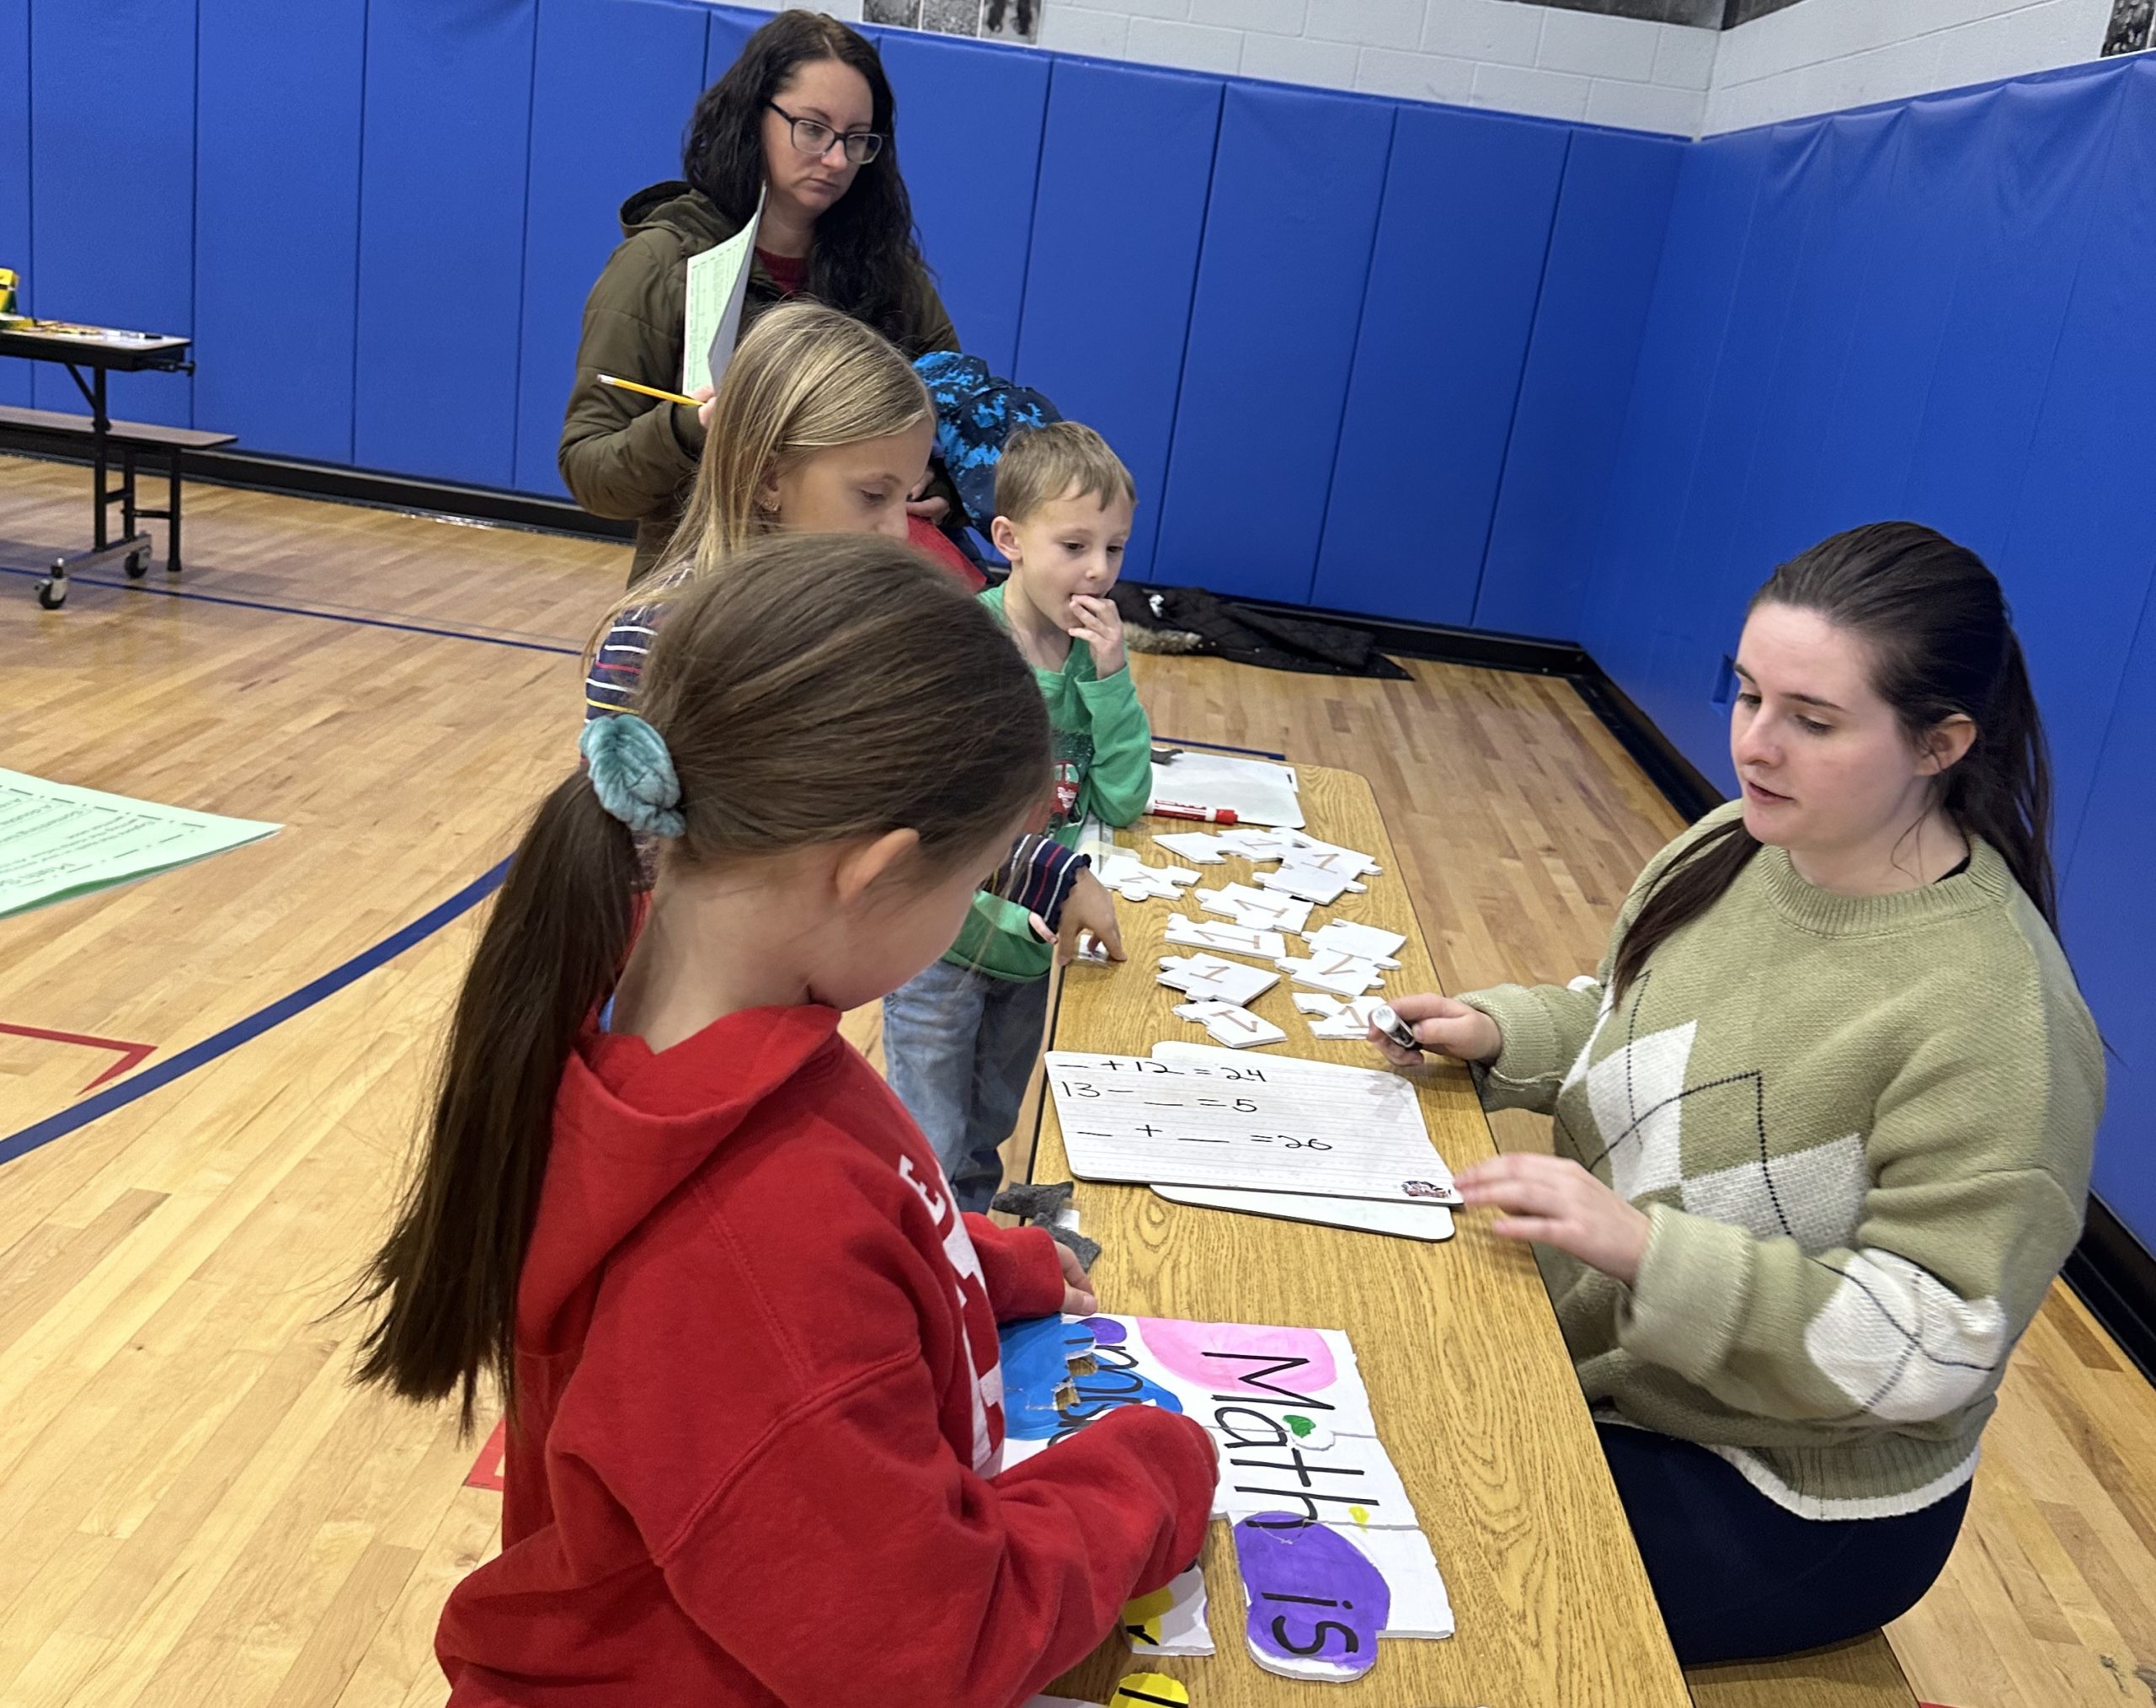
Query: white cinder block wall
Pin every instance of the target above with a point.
(1821, 55)
(1814, 56)
(1506, 54)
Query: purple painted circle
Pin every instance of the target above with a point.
(1106, 1330)
(1316, 1603)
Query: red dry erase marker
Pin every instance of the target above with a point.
(1204, 816)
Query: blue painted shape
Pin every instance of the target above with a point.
(581, 173)
(1462, 240)
(1109, 282)
(1036, 1365)
(442, 237)
(277, 223)
(2109, 910)
(112, 185)
(1613, 211)
(1289, 233)
(968, 138)
(15, 171)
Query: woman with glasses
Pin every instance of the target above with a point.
(805, 117)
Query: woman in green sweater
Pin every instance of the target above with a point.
(1823, 1119)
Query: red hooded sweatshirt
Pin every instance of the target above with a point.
(759, 1410)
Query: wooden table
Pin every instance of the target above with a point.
(1468, 1376)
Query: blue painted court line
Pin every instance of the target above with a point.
(253, 1026)
(492, 640)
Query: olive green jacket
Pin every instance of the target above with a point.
(629, 456)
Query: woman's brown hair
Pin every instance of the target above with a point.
(1942, 642)
(826, 688)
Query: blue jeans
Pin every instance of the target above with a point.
(959, 1046)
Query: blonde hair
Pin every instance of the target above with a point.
(1060, 460)
(803, 378)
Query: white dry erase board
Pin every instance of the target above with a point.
(1256, 1124)
(1431, 1222)
(1257, 791)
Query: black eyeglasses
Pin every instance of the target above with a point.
(812, 136)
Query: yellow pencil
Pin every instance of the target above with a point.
(649, 390)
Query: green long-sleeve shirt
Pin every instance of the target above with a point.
(1103, 768)
(1860, 1126)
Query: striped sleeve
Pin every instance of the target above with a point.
(1037, 876)
(609, 686)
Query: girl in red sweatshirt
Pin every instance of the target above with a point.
(747, 1344)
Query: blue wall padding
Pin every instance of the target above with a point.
(729, 31)
(442, 236)
(112, 166)
(15, 169)
(969, 128)
(1289, 232)
(581, 173)
(277, 226)
(1918, 313)
(2109, 920)
(1462, 238)
(1108, 287)
(1604, 250)
(1630, 618)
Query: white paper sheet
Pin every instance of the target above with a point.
(1430, 1222)
(1257, 791)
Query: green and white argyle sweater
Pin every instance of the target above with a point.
(1860, 1126)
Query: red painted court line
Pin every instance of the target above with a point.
(130, 1053)
(486, 1469)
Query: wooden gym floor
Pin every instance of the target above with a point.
(196, 1506)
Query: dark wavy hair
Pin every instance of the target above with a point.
(1942, 642)
(866, 261)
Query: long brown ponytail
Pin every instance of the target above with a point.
(1942, 642)
(825, 688)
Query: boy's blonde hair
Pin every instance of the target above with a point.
(803, 378)
(1063, 460)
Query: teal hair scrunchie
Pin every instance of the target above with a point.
(632, 774)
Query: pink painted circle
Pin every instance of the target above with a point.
(1217, 1354)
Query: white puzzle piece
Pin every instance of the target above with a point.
(1199, 847)
(1315, 1002)
(1343, 975)
(1251, 842)
(1225, 937)
(1348, 1022)
(1330, 857)
(1171, 1620)
(1310, 883)
(1211, 978)
(1348, 937)
(1257, 908)
(1133, 880)
(1238, 1029)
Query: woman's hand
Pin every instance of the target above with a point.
(703, 394)
(1100, 626)
(1555, 1201)
(929, 509)
(1449, 1027)
(1078, 1297)
(1088, 910)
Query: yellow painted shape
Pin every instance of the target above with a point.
(1141, 1617)
(1150, 1690)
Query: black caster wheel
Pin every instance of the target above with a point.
(52, 595)
(138, 565)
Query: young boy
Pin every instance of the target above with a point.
(961, 1038)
